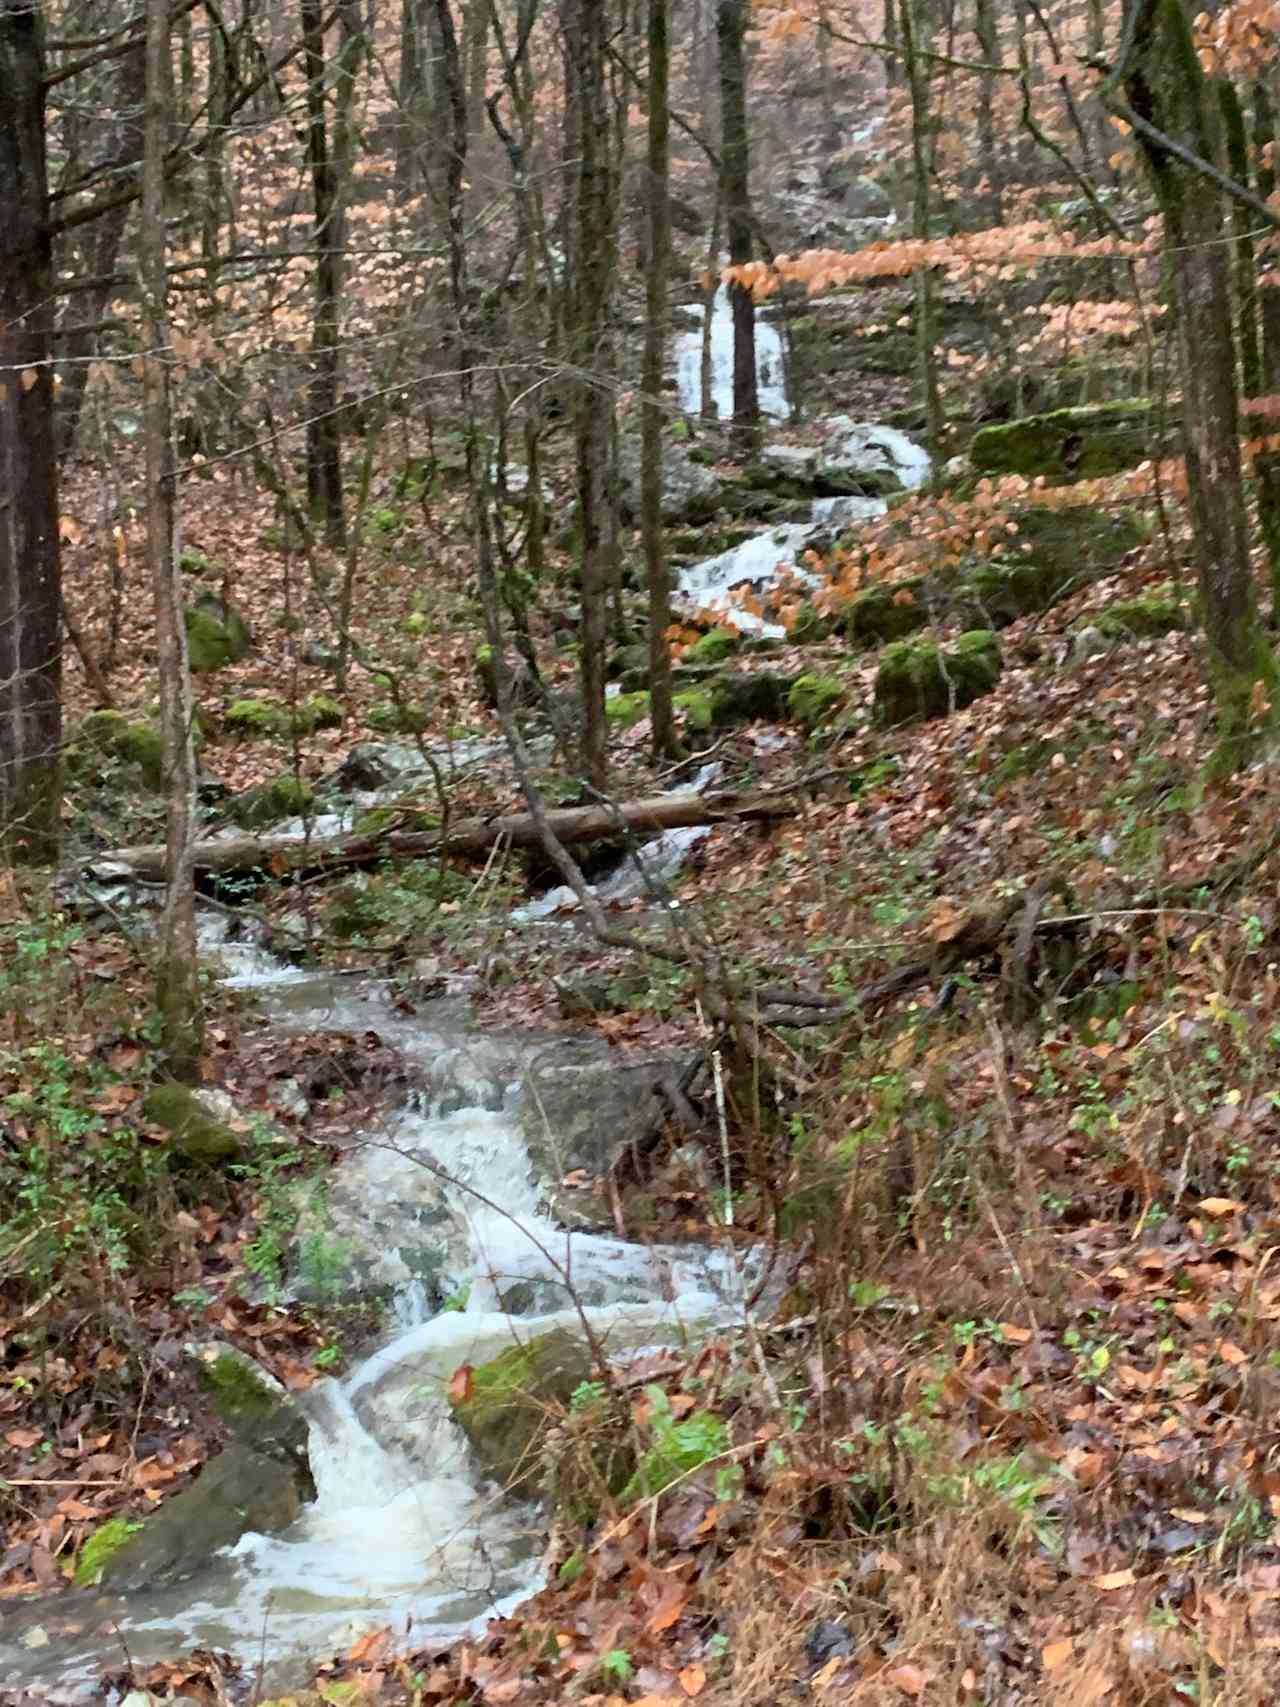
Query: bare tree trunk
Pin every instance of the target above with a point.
(177, 974)
(584, 23)
(324, 444)
(1168, 90)
(1267, 463)
(735, 166)
(987, 32)
(658, 262)
(30, 559)
(913, 14)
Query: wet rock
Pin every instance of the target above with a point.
(512, 1400)
(254, 1407)
(581, 1108)
(864, 450)
(375, 765)
(690, 492)
(239, 1491)
(919, 679)
(217, 634)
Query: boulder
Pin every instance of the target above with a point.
(813, 698)
(112, 736)
(510, 1402)
(862, 450)
(1144, 617)
(885, 611)
(690, 492)
(238, 1492)
(198, 1122)
(919, 679)
(1082, 443)
(279, 797)
(217, 634)
(254, 1407)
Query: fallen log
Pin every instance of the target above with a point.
(278, 856)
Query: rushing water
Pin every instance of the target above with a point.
(404, 1531)
(771, 381)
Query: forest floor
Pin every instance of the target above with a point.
(1012, 1438)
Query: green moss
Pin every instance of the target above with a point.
(513, 1397)
(114, 736)
(1069, 444)
(813, 698)
(242, 1400)
(884, 612)
(486, 674)
(919, 679)
(713, 647)
(1000, 591)
(107, 1539)
(393, 719)
(194, 1133)
(260, 719)
(317, 711)
(695, 704)
(740, 696)
(1145, 617)
(809, 626)
(406, 814)
(217, 635)
(1078, 537)
(624, 709)
(283, 796)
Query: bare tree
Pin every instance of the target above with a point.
(30, 563)
(177, 974)
(735, 166)
(657, 263)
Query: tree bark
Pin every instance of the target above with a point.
(30, 558)
(178, 999)
(592, 279)
(657, 265)
(1267, 463)
(914, 16)
(1167, 88)
(735, 164)
(469, 838)
(324, 444)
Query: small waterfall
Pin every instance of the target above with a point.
(771, 379)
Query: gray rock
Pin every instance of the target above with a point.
(796, 460)
(868, 448)
(690, 492)
(863, 198)
(1087, 643)
(237, 1492)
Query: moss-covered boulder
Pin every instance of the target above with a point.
(111, 735)
(694, 705)
(812, 699)
(1145, 617)
(1071, 444)
(317, 711)
(884, 612)
(196, 1132)
(100, 1547)
(748, 696)
(237, 1492)
(254, 1407)
(713, 647)
(217, 634)
(1077, 538)
(508, 1403)
(404, 719)
(283, 796)
(919, 679)
(626, 709)
(998, 592)
(258, 719)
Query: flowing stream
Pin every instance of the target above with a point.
(404, 1531)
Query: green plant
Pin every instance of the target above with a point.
(617, 1666)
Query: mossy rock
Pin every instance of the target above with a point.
(813, 698)
(112, 735)
(714, 647)
(742, 696)
(1001, 590)
(238, 1492)
(694, 704)
(100, 1547)
(626, 709)
(884, 612)
(1083, 443)
(919, 679)
(253, 1406)
(283, 796)
(259, 719)
(1145, 617)
(217, 635)
(515, 1397)
(391, 719)
(194, 1133)
(809, 626)
(1078, 537)
(317, 711)
(407, 814)
(486, 674)
(629, 665)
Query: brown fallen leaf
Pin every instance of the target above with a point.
(1220, 1206)
(693, 1680)
(1115, 1579)
(461, 1383)
(911, 1680)
(1054, 1654)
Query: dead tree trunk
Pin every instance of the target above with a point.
(658, 261)
(735, 167)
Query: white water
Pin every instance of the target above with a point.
(404, 1531)
(771, 381)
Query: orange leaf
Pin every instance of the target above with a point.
(461, 1383)
(1054, 1654)
(1115, 1579)
(909, 1679)
(1230, 1353)
(693, 1680)
(1012, 1332)
(1219, 1206)
(370, 1645)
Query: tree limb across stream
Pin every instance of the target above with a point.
(281, 855)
